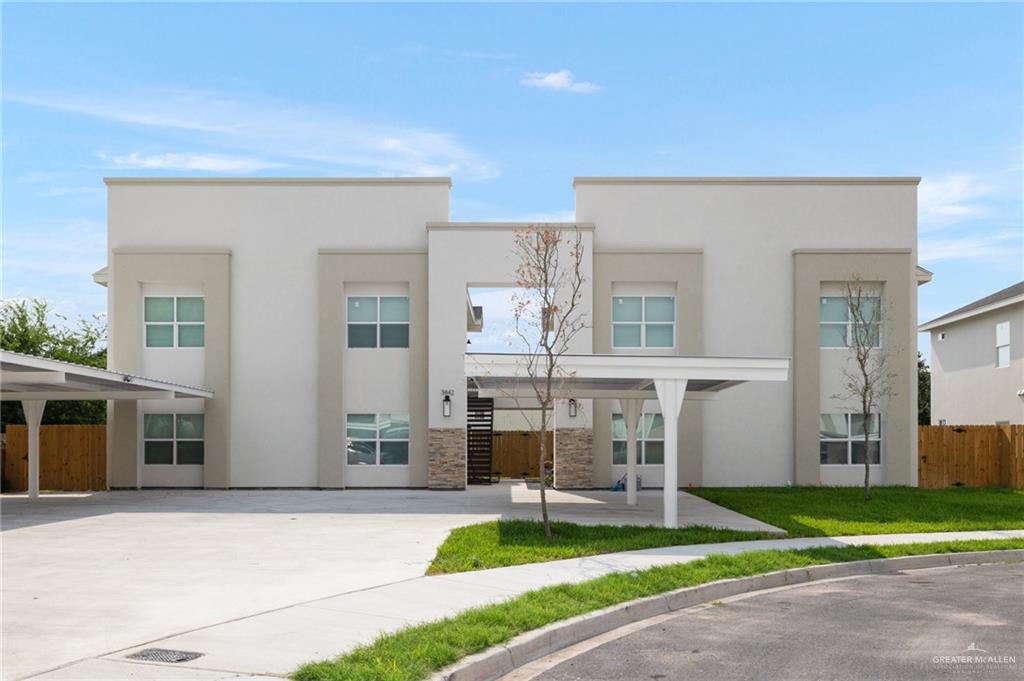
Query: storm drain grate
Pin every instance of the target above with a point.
(164, 655)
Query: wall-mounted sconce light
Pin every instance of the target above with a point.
(572, 409)
(446, 402)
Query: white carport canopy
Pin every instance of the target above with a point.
(630, 379)
(34, 380)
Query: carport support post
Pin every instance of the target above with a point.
(631, 409)
(33, 417)
(671, 393)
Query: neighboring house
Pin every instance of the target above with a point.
(329, 316)
(978, 361)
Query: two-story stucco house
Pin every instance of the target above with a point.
(329, 317)
(978, 361)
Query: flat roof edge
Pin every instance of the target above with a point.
(795, 180)
(585, 226)
(276, 180)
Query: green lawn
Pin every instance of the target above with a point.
(500, 543)
(416, 652)
(835, 511)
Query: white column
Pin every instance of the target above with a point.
(33, 417)
(670, 397)
(631, 409)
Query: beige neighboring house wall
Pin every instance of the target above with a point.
(967, 386)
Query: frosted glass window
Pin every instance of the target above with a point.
(190, 309)
(837, 328)
(834, 309)
(174, 322)
(626, 335)
(659, 336)
(394, 309)
(190, 426)
(643, 321)
(159, 309)
(158, 426)
(659, 309)
(362, 309)
(627, 309)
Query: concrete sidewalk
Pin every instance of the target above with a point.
(275, 642)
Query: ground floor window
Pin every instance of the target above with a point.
(841, 438)
(173, 439)
(650, 440)
(377, 439)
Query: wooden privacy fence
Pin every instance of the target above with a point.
(515, 453)
(973, 456)
(71, 458)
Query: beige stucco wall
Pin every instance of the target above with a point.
(129, 270)
(748, 229)
(892, 271)
(274, 228)
(967, 387)
(684, 269)
(338, 270)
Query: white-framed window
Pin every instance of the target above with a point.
(378, 321)
(841, 439)
(643, 321)
(377, 439)
(837, 327)
(174, 321)
(650, 440)
(1002, 345)
(173, 439)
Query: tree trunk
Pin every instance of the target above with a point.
(867, 459)
(544, 471)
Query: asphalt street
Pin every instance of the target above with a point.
(964, 623)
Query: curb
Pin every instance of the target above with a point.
(496, 662)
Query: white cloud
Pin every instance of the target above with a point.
(213, 163)
(951, 198)
(272, 128)
(970, 247)
(558, 80)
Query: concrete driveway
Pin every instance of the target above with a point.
(919, 625)
(87, 575)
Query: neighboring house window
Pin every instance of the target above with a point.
(377, 439)
(841, 439)
(643, 321)
(173, 439)
(837, 328)
(378, 322)
(650, 440)
(1003, 344)
(174, 321)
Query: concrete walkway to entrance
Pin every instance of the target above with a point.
(88, 574)
(260, 591)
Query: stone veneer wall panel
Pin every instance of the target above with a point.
(446, 464)
(574, 458)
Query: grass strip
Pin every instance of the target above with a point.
(500, 543)
(842, 511)
(418, 651)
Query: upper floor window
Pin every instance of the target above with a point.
(174, 321)
(650, 440)
(378, 322)
(377, 439)
(838, 327)
(643, 321)
(841, 438)
(1003, 344)
(173, 439)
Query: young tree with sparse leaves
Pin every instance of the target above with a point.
(548, 315)
(867, 376)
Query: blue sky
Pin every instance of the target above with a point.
(511, 101)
